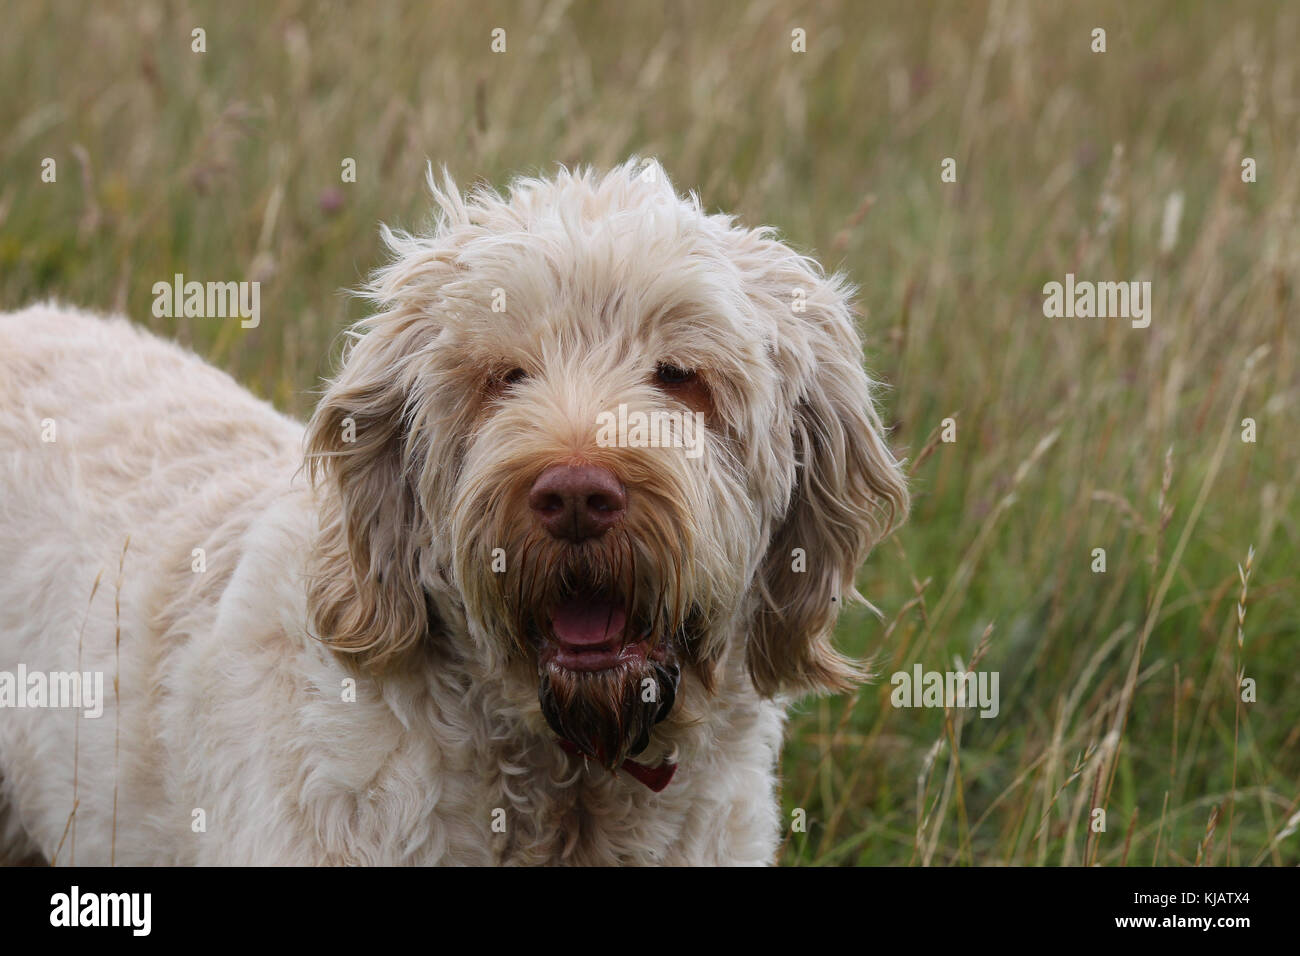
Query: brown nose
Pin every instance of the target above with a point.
(576, 502)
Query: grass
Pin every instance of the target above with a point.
(1118, 689)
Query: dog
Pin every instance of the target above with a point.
(562, 541)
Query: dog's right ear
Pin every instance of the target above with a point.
(367, 592)
(366, 595)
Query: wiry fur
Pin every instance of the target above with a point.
(374, 562)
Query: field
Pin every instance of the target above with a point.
(1119, 689)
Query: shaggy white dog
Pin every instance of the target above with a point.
(574, 522)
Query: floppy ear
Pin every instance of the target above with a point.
(366, 594)
(848, 488)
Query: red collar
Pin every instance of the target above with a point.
(656, 778)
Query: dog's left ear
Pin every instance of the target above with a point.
(366, 594)
(848, 488)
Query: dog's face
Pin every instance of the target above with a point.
(633, 440)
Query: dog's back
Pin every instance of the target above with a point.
(126, 466)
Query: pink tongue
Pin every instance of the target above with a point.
(588, 622)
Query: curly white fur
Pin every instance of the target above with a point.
(371, 563)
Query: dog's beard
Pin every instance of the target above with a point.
(605, 626)
(604, 711)
(608, 714)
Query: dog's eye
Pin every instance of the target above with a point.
(499, 382)
(672, 375)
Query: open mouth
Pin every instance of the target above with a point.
(606, 676)
(589, 632)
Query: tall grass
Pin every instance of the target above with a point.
(1119, 689)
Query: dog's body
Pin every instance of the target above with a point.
(327, 664)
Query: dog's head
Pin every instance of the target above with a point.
(634, 440)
